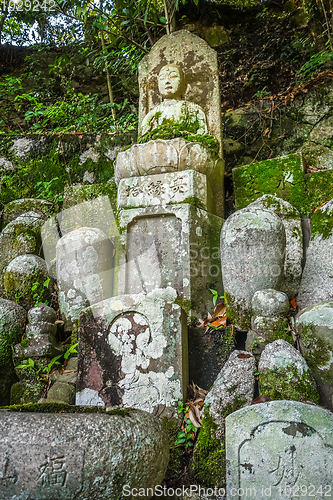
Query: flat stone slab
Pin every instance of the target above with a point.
(164, 189)
(46, 456)
(279, 450)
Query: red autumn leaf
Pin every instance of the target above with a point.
(293, 303)
(244, 355)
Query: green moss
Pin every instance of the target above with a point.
(208, 465)
(64, 408)
(318, 354)
(193, 200)
(282, 177)
(171, 426)
(183, 303)
(235, 314)
(23, 393)
(280, 210)
(172, 130)
(288, 383)
(321, 224)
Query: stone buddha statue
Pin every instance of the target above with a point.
(181, 141)
(174, 110)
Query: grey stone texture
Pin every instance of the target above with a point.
(235, 381)
(20, 277)
(278, 450)
(40, 328)
(38, 347)
(317, 279)
(294, 240)
(165, 189)
(61, 392)
(42, 313)
(175, 245)
(93, 456)
(133, 353)
(284, 373)
(270, 303)
(169, 156)
(21, 236)
(12, 323)
(84, 271)
(88, 206)
(252, 258)
(316, 328)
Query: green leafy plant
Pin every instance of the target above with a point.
(185, 435)
(216, 296)
(39, 294)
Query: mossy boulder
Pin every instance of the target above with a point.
(21, 236)
(316, 328)
(24, 392)
(12, 323)
(281, 177)
(317, 278)
(284, 374)
(19, 207)
(232, 390)
(26, 280)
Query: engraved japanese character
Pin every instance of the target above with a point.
(53, 472)
(8, 475)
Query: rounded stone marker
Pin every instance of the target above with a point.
(270, 303)
(253, 244)
(84, 270)
(71, 456)
(42, 313)
(22, 274)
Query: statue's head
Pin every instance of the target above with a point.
(171, 82)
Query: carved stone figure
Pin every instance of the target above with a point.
(179, 115)
(174, 110)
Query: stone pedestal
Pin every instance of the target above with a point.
(172, 245)
(133, 353)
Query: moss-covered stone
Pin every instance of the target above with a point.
(236, 314)
(171, 426)
(64, 408)
(25, 392)
(208, 464)
(288, 383)
(318, 355)
(26, 281)
(282, 177)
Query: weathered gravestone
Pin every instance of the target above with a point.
(133, 353)
(279, 450)
(47, 456)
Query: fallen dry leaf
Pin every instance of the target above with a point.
(260, 399)
(219, 310)
(219, 322)
(244, 355)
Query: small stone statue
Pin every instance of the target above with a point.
(174, 110)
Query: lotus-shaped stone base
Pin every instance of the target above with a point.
(160, 156)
